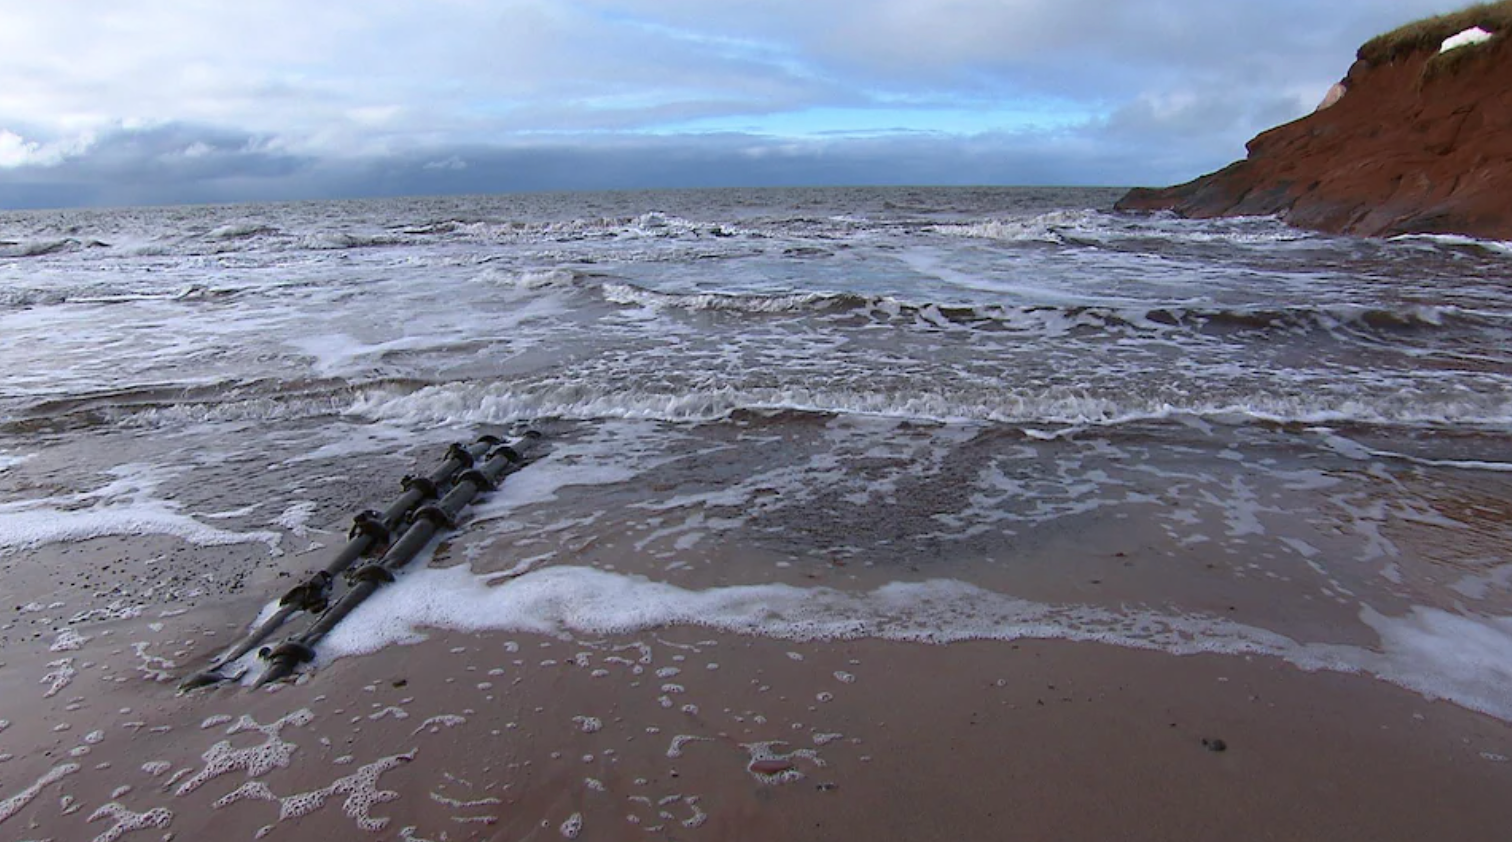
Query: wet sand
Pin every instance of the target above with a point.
(660, 735)
(692, 732)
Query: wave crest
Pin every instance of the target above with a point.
(500, 403)
(1054, 319)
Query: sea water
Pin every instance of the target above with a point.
(912, 414)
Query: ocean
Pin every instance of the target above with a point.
(927, 415)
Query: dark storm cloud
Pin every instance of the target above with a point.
(158, 164)
(179, 164)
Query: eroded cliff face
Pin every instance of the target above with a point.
(1408, 148)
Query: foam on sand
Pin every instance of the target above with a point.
(14, 804)
(124, 506)
(1465, 659)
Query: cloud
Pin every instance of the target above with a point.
(163, 163)
(453, 163)
(177, 163)
(16, 151)
(137, 98)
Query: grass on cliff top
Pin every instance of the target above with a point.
(1429, 33)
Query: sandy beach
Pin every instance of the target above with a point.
(682, 734)
(755, 422)
(687, 728)
(859, 514)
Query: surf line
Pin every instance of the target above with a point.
(420, 512)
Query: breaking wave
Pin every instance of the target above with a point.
(1093, 227)
(241, 231)
(22, 297)
(421, 404)
(43, 248)
(1432, 652)
(630, 294)
(1058, 318)
(1498, 247)
(500, 403)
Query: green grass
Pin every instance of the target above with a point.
(1429, 33)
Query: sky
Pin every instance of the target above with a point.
(124, 102)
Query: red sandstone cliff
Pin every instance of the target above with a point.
(1419, 143)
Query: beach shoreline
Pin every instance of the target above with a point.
(967, 494)
(508, 736)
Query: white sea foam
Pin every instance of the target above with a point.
(617, 293)
(531, 279)
(1495, 246)
(336, 240)
(459, 404)
(1047, 227)
(1466, 659)
(1071, 226)
(14, 804)
(338, 354)
(239, 229)
(1352, 449)
(296, 518)
(127, 821)
(125, 506)
(606, 457)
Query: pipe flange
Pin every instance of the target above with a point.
(461, 455)
(514, 456)
(311, 595)
(371, 524)
(290, 651)
(373, 573)
(423, 484)
(437, 515)
(479, 479)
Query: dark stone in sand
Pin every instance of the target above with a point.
(1215, 745)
